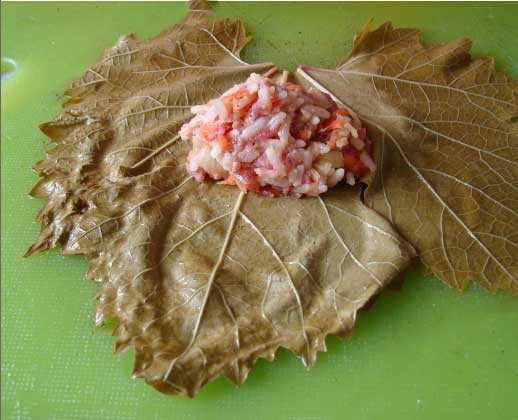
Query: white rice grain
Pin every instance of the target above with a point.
(367, 161)
(315, 110)
(254, 129)
(349, 177)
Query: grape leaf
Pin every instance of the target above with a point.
(447, 149)
(202, 279)
(130, 103)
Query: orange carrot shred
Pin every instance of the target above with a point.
(230, 180)
(354, 164)
(225, 143)
(334, 124)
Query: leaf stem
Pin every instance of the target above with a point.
(125, 169)
(210, 283)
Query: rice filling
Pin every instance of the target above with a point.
(276, 139)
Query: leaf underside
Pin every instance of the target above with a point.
(202, 279)
(446, 147)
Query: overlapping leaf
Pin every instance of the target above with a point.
(129, 105)
(205, 280)
(202, 279)
(447, 150)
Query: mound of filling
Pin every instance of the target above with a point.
(276, 139)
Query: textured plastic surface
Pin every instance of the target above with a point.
(423, 352)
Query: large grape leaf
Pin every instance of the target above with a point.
(202, 279)
(446, 147)
(131, 103)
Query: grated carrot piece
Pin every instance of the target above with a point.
(225, 143)
(334, 124)
(230, 180)
(353, 163)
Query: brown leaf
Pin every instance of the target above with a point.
(126, 109)
(202, 279)
(446, 150)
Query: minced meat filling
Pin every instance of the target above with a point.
(276, 139)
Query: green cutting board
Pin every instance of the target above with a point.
(423, 352)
